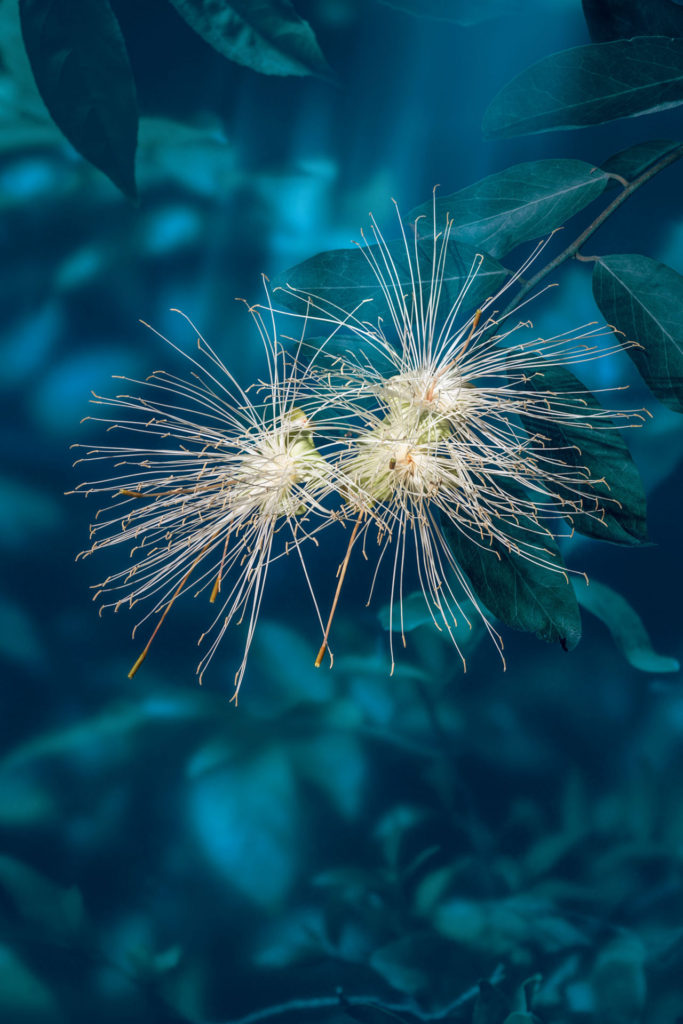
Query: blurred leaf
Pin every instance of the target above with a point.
(413, 611)
(491, 1007)
(246, 817)
(297, 938)
(534, 598)
(24, 997)
(40, 902)
(515, 205)
(524, 996)
(405, 963)
(620, 516)
(623, 19)
(589, 85)
(619, 981)
(19, 640)
(81, 68)
(24, 801)
(290, 678)
(624, 623)
(462, 12)
(631, 162)
(196, 156)
(506, 926)
(391, 829)
(265, 35)
(643, 299)
(117, 720)
(27, 513)
(345, 278)
(335, 763)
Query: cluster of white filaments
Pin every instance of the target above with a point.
(454, 428)
(201, 504)
(450, 427)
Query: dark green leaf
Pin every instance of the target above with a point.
(625, 626)
(345, 278)
(589, 85)
(517, 204)
(623, 19)
(644, 300)
(524, 595)
(602, 451)
(462, 12)
(631, 162)
(265, 35)
(81, 68)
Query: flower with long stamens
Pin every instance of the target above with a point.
(448, 425)
(215, 483)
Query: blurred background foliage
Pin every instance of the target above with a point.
(495, 847)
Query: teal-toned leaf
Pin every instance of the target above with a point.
(643, 299)
(25, 801)
(491, 1007)
(615, 503)
(81, 68)
(461, 12)
(619, 979)
(39, 902)
(589, 85)
(246, 818)
(413, 612)
(345, 279)
(531, 597)
(625, 626)
(119, 722)
(24, 997)
(524, 996)
(631, 162)
(624, 19)
(267, 36)
(517, 204)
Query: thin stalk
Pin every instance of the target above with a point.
(573, 249)
(342, 573)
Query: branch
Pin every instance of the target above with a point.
(339, 1001)
(573, 249)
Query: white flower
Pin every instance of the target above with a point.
(453, 431)
(218, 477)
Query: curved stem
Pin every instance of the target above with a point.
(573, 249)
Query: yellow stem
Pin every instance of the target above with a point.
(342, 573)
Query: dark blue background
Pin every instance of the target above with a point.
(188, 825)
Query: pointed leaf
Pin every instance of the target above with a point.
(603, 453)
(346, 279)
(631, 162)
(625, 626)
(517, 204)
(265, 35)
(589, 85)
(644, 300)
(623, 19)
(521, 593)
(81, 68)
